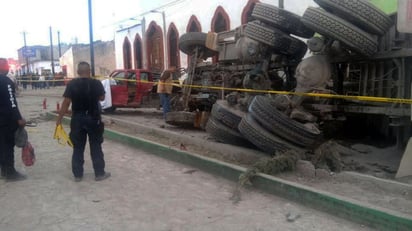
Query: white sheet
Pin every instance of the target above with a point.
(107, 102)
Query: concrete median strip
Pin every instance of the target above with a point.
(359, 212)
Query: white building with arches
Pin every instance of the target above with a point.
(148, 45)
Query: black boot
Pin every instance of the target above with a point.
(3, 174)
(12, 175)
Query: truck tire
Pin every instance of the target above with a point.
(281, 19)
(229, 116)
(190, 40)
(336, 28)
(361, 13)
(261, 138)
(278, 40)
(275, 121)
(181, 118)
(224, 133)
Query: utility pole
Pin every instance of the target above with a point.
(24, 53)
(58, 40)
(166, 53)
(91, 38)
(51, 50)
(281, 4)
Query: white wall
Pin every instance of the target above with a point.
(38, 66)
(67, 59)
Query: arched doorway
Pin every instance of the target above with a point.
(127, 54)
(155, 48)
(247, 11)
(138, 54)
(174, 54)
(193, 25)
(220, 22)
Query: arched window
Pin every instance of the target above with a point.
(174, 54)
(138, 53)
(193, 25)
(220, 22)
(127, 54)
(247, 11)
(155, 48)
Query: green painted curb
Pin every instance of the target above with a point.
(323, 201)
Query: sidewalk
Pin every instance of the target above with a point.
(145, 192)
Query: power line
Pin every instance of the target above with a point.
(172, 3)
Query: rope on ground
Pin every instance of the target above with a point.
(283, 162)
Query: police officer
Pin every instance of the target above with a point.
(84, 93)
(10, 120)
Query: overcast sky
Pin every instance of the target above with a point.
(70, 17)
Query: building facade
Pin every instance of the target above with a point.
(41, 59)
(104, 58)
(152, 42)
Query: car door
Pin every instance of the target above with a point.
(144, 85)
(119, 90)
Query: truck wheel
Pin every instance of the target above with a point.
(224, 133)
(278, 40)
(282, 19)
(361, 13)
(189, 41)
(229, 116)
(275, 121)
(257, 135)
(181, 118)
(336, 28)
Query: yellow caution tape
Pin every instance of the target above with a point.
(320, 95)
(61, 136)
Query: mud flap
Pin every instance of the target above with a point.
(405, 167)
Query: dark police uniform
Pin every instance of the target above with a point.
(86, 121)
(9, 115)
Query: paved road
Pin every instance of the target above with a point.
(145, 192)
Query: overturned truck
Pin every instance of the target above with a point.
(260, 89)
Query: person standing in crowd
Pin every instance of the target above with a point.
(10, 120)
(24, 80)
(41, 82)
(84, 93)
(164, 89)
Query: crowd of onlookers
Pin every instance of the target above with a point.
(36, 81)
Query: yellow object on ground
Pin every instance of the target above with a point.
(61, 136)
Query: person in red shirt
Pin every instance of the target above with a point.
(10, 120)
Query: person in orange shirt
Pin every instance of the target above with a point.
(164, 89)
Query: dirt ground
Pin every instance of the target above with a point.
(145, 192)
(367, 176)
(364, 185)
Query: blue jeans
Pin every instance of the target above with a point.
(81, 126)
(165, 101)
